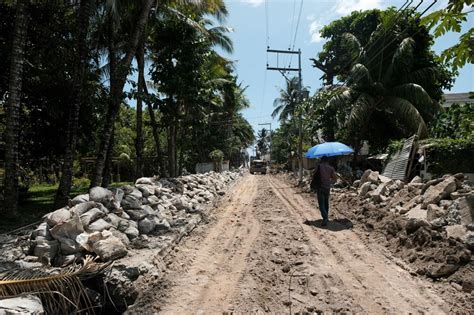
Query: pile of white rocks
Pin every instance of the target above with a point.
(104, 222)
(446, 202)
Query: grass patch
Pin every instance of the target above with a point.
(39, 201)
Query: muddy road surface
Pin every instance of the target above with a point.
(264, 251)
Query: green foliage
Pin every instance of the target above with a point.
(395, 146)
(263, 141)
(451, 19)
(392, 89)
(284, 141)
(455, 122)
(80, 183)
(216, 155)
(446, 155)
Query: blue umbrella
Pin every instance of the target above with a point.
(328, 149)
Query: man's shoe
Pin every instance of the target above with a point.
(325, 223)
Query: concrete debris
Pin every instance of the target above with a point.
(106, 221)
(440, 209)
(28, 304)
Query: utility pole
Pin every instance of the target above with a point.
(282, 70)
(269, 124)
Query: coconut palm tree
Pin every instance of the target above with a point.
(398, 94)
(82, 28)
(384, 85)
(285, 105)
(13, 109)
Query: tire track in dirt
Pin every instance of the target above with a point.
(376, 283)
(209, 282)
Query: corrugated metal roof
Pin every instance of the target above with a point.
(396, 168)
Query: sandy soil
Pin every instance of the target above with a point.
(264, 251)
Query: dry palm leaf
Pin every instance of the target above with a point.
(61, 293)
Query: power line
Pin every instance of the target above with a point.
(267, 25)
(296, 31)
(297, 24)
(292, 23)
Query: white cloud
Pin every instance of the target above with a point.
(314, 29)
(253, 3)
(344, 7)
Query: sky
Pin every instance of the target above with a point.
(249, 20)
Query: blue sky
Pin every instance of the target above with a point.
(247, 18)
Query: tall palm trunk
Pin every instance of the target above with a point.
(112, 108)
(172, 149)
(140, 56)
(116, 89)
(107, 178)
(13, 110)
(156, 133)
(64, 189)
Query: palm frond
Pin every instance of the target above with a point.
(407, 114)
(424, 77)
(360, 76)
(363, 107)
(417, 95)
(402, 59)
(67, 284)
(340, 99)
(217, 36)
(352, 43)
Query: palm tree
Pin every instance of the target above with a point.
(286, 104)
(388, 87)
(83, 19)
(117, 82)
(397, 94)
(262, 141)
(13, 108)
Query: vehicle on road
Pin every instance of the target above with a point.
(258, 166)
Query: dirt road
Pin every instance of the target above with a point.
(265, 251)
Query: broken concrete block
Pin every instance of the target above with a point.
(369, 176)
(434, 212)
(416, 179)
(384, 179)
(378, 194)
(417, 213)
(28, 304)
(440, 191)
(466, 209)
(457, 231)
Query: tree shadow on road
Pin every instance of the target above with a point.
(333, 225)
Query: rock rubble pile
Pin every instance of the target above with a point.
(445, 203)
(104, 222)
(428, 224)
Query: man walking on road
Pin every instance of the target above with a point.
(324, 176)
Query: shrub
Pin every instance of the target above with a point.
(446, 155)
(216, 155)
(80, 182)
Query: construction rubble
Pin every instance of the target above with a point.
(428, 224)
(105, 222)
